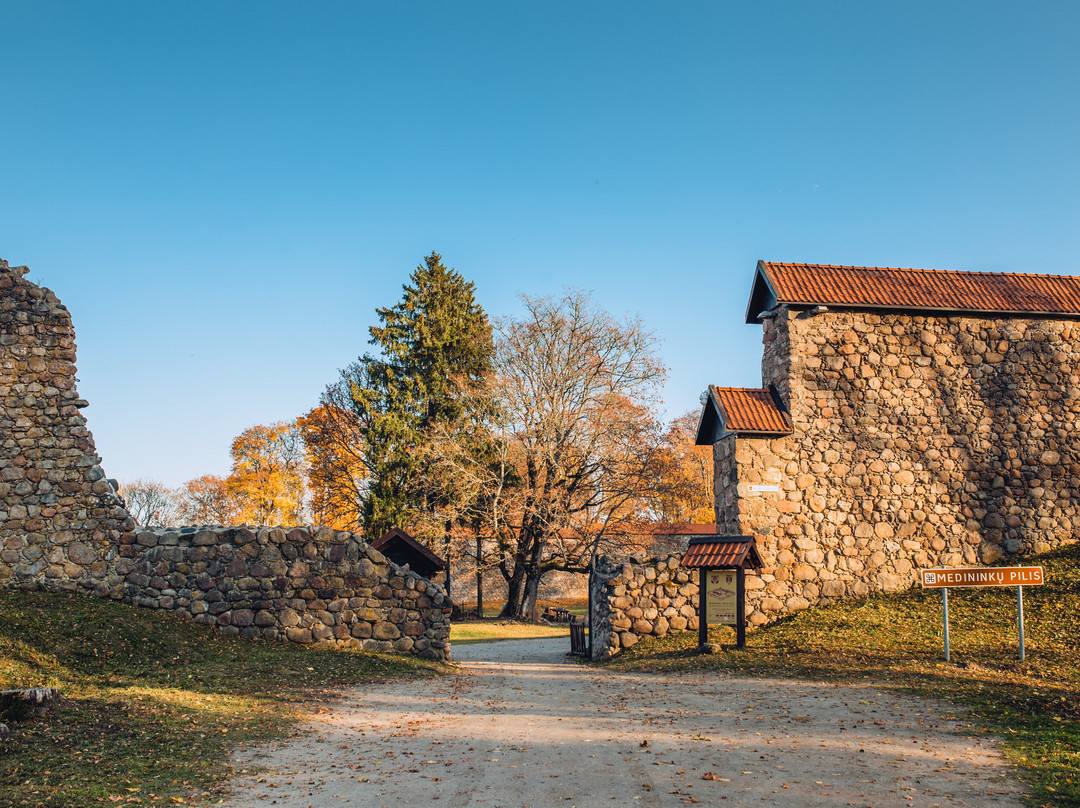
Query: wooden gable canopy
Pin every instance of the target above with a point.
(402, 549)
(722, 552)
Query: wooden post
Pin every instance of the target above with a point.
(479, 578)
(703, 620)
(740, 611)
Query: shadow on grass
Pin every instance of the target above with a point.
(153, 704)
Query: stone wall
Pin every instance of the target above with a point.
(60, 519)
(918, 441)
(637, 598)
(63, 526)
(301, 584)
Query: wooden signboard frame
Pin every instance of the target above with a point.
(711, 554)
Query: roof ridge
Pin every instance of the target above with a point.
(921, 269)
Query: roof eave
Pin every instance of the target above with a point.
(412, 543)
(759, 433)
(763, 295)
(952, 311)
(711, 425)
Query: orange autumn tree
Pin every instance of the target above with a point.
(333, 443)
(207, 500)
(684, 484)
(267, 479)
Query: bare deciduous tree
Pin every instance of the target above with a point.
(571, 441)
(207, 500)
(150, 503)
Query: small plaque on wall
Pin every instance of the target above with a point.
(761, 488)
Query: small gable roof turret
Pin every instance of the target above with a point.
(722, 552)
(740, 411)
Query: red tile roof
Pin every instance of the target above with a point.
(723, 552)
(912, 289)
(751, 410)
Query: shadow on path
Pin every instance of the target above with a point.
(520, 725)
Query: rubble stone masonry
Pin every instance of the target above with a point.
(60, 519)
(63, 526)
(636, 598)
(301, 584)
(918, 441)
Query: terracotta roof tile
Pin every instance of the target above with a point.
(751, 410)
(920, 289)
(727, 551)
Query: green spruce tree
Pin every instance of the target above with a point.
(435, 351)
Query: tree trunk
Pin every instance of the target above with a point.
(528, 605)
(447, 548)
(514, 586)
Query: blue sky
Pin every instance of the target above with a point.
(222, 193)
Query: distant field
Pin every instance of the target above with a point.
(152, 703)
(895, 641)
(573, 605)
(471, 631)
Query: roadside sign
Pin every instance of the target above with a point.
(965, 577)
(982, 576)
(721, 597)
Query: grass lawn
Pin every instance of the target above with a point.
(895, 641)
(152, 703)
(470, 631)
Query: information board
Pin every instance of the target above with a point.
(721, 597)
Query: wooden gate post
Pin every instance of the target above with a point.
(702, 620)
(740, 611)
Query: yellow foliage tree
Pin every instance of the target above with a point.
(333, 443)
(267, 479)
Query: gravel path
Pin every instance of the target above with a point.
(520, 726)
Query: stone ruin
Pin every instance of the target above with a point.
(63, 526)
(61, 520)
(907, 419)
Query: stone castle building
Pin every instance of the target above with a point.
(907, 419)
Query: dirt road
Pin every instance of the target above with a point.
(522, 726)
